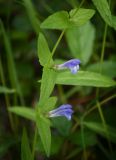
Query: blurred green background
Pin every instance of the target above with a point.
(20, 71)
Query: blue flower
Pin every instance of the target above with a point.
(63, 110)
(72, 64)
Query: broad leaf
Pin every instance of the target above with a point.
(58, 20)
(63, 20)
(6, 90)
(80, 41)
(104, 10)
(47, 84)
(99, 128)
(25, 148)
(84, 78)
(43, 125)
(44, 53)
(24, 112)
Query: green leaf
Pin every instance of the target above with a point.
(32, 15)
(80, 45)
(24, 112)
(104, 10)
(47, 84)
(99, 128)
(43, 125)
(49, 104)
(81, 16)
(25, 148)
(63, 20)
(6, 90)
(84, 78)
(108, 68)
(58, 20)
(44, 53)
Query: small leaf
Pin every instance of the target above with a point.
(84, 78)
(24, 112)
(81, 16)
(6, 90)
(99, 128)
(44, 53)
(79, 43)
(58, 20)
(25, 148)
(104, 10)
(43, 125)
(47, 84)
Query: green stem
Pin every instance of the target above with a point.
(61, 94)
(6, 98)
(78, 8)
(104, 124)
(97, 91)
(34, 143)
(103, 47)
(83, 141)
(102, 54)
(57, 43)
(101, 103)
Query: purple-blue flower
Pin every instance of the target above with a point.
(72, 64)
(63, 110)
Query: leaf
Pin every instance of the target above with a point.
(24, 112)
(63, 20)
(25, 148)
(49, 104)
(80, 16)
(104, 10)
(47, 84)
(44, 53)
(58, 20)
(99, 128)
(32, 15)
(43, 126)
(6, 90)
(108, 68)
(80, 41)
(84, 78)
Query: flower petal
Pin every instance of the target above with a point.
(72, 64)
(63, 110)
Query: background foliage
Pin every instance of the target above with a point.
(34, 35)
